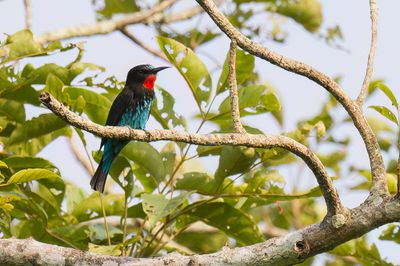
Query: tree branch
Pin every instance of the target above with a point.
(133, 38)
(371, 55)
(290, 249)
(233, 90)
(398, 158)
(377, 166)
(331, 197)
(28, 14)
(107, 26)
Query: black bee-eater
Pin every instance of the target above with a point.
(130, 108)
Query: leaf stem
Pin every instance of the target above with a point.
(105, 218)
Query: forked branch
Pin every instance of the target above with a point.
(371, 143)
(331, 197)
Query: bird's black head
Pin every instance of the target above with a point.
(144, 75)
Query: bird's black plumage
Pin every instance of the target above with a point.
(130, 108)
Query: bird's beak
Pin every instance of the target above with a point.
(158, 69)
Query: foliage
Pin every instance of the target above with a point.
(236, 204)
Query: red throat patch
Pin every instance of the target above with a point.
(149, 82)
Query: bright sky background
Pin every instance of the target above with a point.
(300, 97)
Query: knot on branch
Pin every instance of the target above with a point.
(338, 220)
(44, 97)
(301, 247)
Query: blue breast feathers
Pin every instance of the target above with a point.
(137, 118)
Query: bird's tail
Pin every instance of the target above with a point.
(99, 178)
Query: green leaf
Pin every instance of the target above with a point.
(47, 196)
(202, 241)
(97, 232)
(234, 160)
(114, 7)
(7, 197)
(385, 112)
(169, 157)
(193, 70)
(33, 146)
(37, 127)
(255, 99)
(42, 74)
(55, 87)
(365, 254)
(202, 183)
(136, 211)
(391, 180)
(90, 207)
(113, 250)
(158, 207)
(28, 175)
(244, 69)
(378, 125)
(13, 110)
(22, 44)
(73, 233)
(19, 45)
(65, 74)
(3, 164)
(147, 157)
(229, 220)
(74, 195)
(23, 94)
(192, 38)
(96, 105)
(391, 233)
(305, 12)
(163, 111)
(385, 89)
(23, 162)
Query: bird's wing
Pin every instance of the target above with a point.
(118, 107)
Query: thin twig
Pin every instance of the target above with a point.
(233, 90)
(133, 38)
(28, 14)
(398, 170)
(80, 157)
(106, 26)
(331, 197)
(371, 55)
(398, 150)
(379, 185)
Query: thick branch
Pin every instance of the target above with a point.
(286, 250)
(371, 55)
(370, 140)
(233, 90)
(133, 38)
(107, 26)
(257, 141)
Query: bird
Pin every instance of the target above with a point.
(130, 108)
